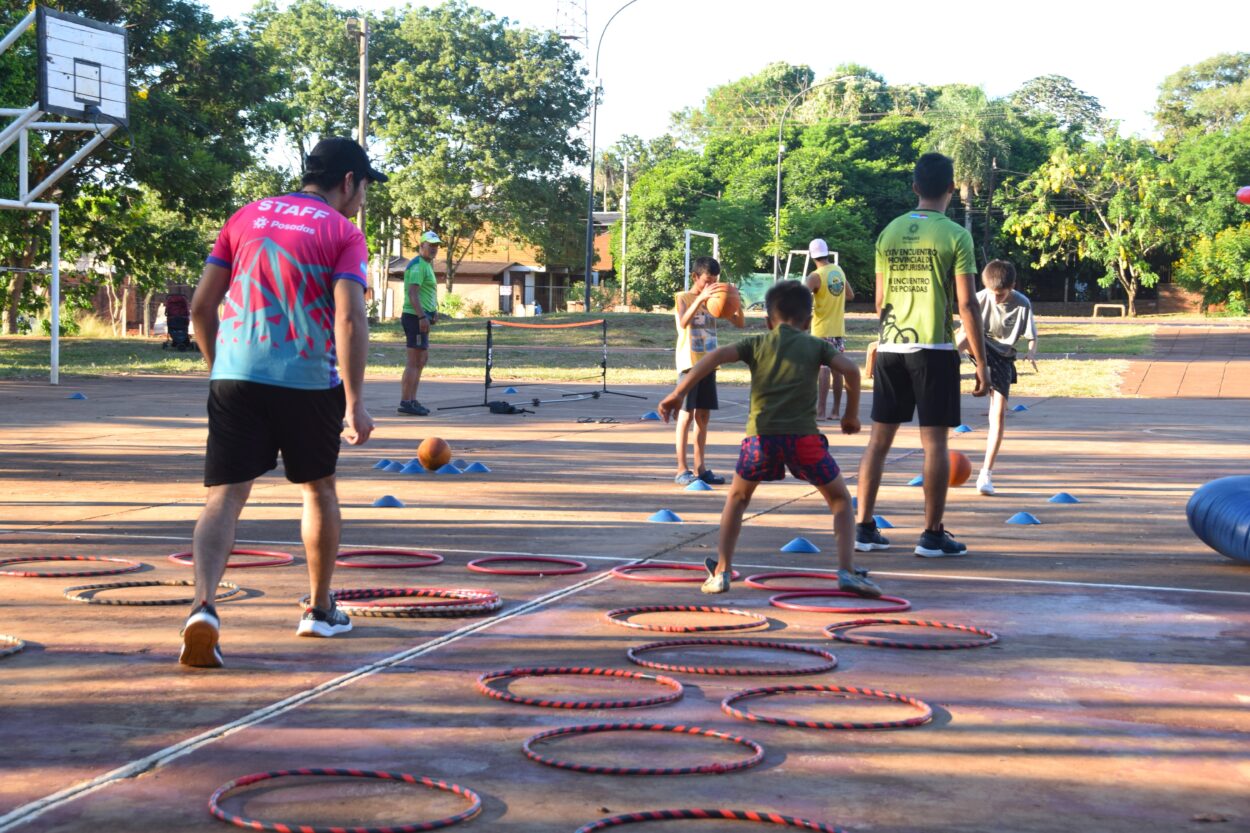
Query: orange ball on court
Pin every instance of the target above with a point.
(724, 301)
(961, 468)
(434, 453)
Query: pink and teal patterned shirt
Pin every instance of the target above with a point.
(277, 325)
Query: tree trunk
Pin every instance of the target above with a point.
(965, 195)
(18, 287)
(451, 269)
(147, 312)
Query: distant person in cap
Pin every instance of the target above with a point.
(830, 293)
(288, 273)
(420, 311)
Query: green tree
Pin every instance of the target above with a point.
(1110, 203)
(1219, 267)
(1208, 167)
(1211, 95)
(749, 104)
(477, 116)
(851, 92)
(1073, 111)
(973, 131)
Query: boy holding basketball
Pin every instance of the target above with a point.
(696, 336)
(781, 428)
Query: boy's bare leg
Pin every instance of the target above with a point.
(994, 441)
(736, 503)
(838, 497)
(214, 537)
(871, 466)
(321, 528)
(937, 473)
(701, 417)
(823, 395)
(683, 439)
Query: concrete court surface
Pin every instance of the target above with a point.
(1116, 700)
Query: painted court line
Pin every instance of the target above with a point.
(34, 809)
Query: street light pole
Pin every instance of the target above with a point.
(781, 148)
(624, 232)
(594, 116)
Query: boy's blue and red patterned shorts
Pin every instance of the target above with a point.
(767, 456)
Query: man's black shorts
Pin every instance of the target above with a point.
(1002, 371)
(703, 395)
(926, 380)
(249, 423)
(417, 340)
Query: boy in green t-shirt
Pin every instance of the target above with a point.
(781, 427)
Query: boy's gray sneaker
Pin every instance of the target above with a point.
(939, 544)
(715, 583)
(318, 622)
(413, 408)
(685, 478)
(853, 581)
(869, 538)
(199, 639)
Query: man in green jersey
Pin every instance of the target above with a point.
(926, 269)
(420, 311)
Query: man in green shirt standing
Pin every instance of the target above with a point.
(926, 269)
(420, 311)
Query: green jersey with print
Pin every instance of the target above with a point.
(918, 256)
(785, 364)
(420, 272)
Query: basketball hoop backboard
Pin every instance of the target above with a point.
(82, 68)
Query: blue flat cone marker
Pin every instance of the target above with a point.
(381, 464)
(800, 545)
(918, 480)
(962, 429)
(460, 463)
(664, 516)
(509, 390)
(447, 468)
(697, 485)
(413, 461)
(389, 502)
(1023, 518)
(1019, 408)
(395, 466)
(413, 468)
(881, 522)
(477, 468)
(651, 415)
(1063, 497)
(77, 396)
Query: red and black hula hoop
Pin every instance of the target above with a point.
(449, 601)
(757, 816)
(10, 645)
(347, 558)
(76, 594)
(570, 565)
(130, 566)
(926, 713)
(626, 571)
(271, 558)
(484, 681)
(616, 617)
(717, 768)
(835, 631)
(214, 806)
(828, 661)
(786, 601)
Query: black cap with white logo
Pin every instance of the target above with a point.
(340, 155)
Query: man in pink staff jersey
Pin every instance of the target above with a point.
(288, 276)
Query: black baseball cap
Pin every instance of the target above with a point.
(341, 155)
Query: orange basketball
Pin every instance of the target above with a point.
(434, 453)
(961, 468)
(724, 301)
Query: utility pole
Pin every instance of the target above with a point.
(358, 28)
(989, 206)
(624, 231)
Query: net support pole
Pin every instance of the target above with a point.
(490, 359)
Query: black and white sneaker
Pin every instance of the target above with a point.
(413, 408)
(199, 639)
(318, 622)
(939, 544)
(869, 538)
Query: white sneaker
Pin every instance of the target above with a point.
(984, 485)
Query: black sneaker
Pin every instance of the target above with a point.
(869, 538)
(711, 479)
(199, 639)
(318, 622)
(939, 544)
(413, 408)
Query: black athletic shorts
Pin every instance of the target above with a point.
(249, 423)
(1002, 371)
(417, 340)
(703, 395)
(926, 380)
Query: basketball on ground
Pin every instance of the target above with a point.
(961, 468)
(434, 453)
(724, 301)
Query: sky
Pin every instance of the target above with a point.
(659, 56)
